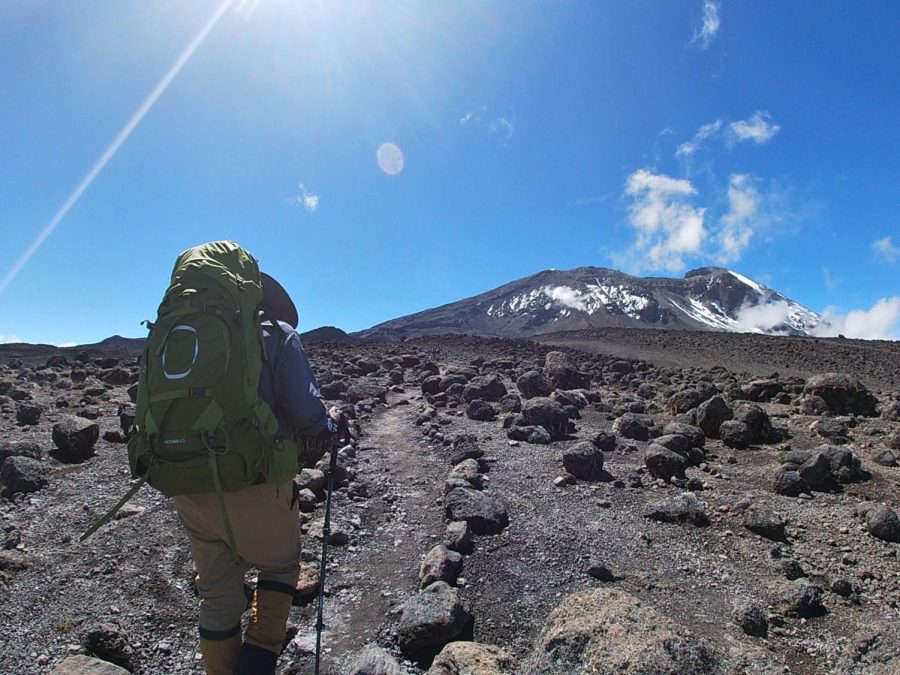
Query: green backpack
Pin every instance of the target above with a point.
(200, 425)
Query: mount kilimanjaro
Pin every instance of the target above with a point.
(708, 298)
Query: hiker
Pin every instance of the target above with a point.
(227, 449)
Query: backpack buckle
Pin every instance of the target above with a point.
(198, 392)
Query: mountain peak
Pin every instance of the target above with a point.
(549, 301)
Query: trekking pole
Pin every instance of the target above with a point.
(326, 533)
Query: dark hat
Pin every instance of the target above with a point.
(277, 304)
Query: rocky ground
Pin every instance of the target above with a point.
(507, 507)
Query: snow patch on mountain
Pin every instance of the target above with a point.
(593, 298)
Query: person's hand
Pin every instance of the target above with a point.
(341, 422)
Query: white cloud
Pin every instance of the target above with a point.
(465, 119)
(885, 250)
(503, 128)
(759, 128)
(711, 24)
(66, 344)
(739, 223)
(7, 339)
(831, 282)
(881, 322)
(668, 228)
(762, 318)
(568, 297)
(690, 147)
(307, 199)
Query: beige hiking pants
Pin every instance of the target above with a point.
(265, 522)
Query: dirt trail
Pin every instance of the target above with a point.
(369, 579)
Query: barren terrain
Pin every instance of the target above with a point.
(742, 578)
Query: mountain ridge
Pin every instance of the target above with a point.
(706, 298)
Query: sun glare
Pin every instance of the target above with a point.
(390, 159)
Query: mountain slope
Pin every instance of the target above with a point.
(709, 298)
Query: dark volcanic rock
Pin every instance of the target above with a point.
(440, 564)
(632, 426)
(759, 426)
(486, 388)
(480, 411)
(529, 434)
(604, 441)
(803, 600)
(694, 434)
(544, 412)
(484, 514)
(842, 393)
(109, 643)
(20, 449)
(584, 461)
(458, 537)
(431, 619)
(664, 463)
(562, 373)
(883, 523)
(683, 508)
(711, 414)
(752, 619)
(735, 434)
(28, 413)
(75, 438)
(511, 403)
(789, 483)
(463, 447)
(533, 384)
(361, 392)
(765, 524)
(22, 475)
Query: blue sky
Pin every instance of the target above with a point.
(515, 136)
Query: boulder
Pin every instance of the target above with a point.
(529, 434)
(883, 523)
(484, 514)
(431, 385)
(631, 425)
(694, 434)
(843, 394)
(458, 537)
(561, 372)
(22, 475)
(604, 440)
(472, 658)
(683, 508)
(28, 413)
(464, 447)
(711, 414)
(86, 665)
(788, 482)
(431, 619)
(20, 449)
(544, 412)
(511, 403)
(480, 411)
(440, 564)
(762, 391)
(375, 661)
(533, 384)
(486, 388)
(757, 421)
(108, 642)
(664, 463)
(607, 631)
(752, 619)
(765, 523)
(75, 438)
(363, 391)
(735, 435)
(584, 461)
(467, 471)
(802, 600)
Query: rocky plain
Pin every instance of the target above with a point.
(613, 502)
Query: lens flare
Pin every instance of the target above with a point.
(113, 147)
(390, 159)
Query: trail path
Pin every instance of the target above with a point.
(368, 580)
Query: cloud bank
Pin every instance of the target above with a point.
(880, 322)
